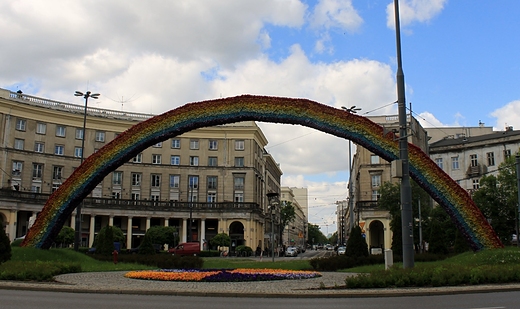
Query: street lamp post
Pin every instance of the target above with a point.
(353, 110)
(273, 201)
(77, 232)
(406, 189)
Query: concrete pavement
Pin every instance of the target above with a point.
(325, 286)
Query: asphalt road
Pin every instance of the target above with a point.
(11, 299)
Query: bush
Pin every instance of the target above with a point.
(147, 247)
(336, 262)
(160, 260)
(356, 244)
(37, 270)
(105, 241)
(5, 245)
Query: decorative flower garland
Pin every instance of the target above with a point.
(221, 275)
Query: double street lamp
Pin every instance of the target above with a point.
(86, 95)
(273, 202)
(352, 110)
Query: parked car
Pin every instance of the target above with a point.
(341, 250)
(291, 251)
(186, 248)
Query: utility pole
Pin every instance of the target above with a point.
(406, 191)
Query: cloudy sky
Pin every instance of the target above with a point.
(461, 63)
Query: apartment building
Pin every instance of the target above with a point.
(207, 181)
(467, 158)
(296, 231)
(369, 172)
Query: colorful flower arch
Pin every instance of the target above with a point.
(455, 200)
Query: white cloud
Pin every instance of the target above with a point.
(339, 14)
(508, 115)
(414, 11)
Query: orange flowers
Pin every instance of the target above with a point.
(222, 275)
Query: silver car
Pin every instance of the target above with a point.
(291, 251)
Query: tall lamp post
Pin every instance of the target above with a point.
(273, 202)
(406, 190)
(352, 110)
(77, 232)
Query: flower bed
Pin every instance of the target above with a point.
(221, 275)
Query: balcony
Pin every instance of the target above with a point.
(136, 205)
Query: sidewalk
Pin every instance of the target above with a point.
(116, 283)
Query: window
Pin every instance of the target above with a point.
(375, 195)
(239, 161)
(473, 159)
(376, 180)
(21, 124)
(175, 160)
(239, 197)
(194, 144)
(19, 144)
(117, 178)
(174, 181)
(78, 152)
(39, 147)
(212, 161)
(136, 196)
(156, 159)
(100, 136)
(158, 145)
(193, 182)
(476, 184)
(176, 143)
(57, 172)
(55, 187)
(490, 158)
(136, 179)
(59, 150)
(438, 161)
(212, 182)
(213, 144)
(138, 158)
(155, 181)
(239, 145)
(116, 195)
(155, 196)
(374, 159)
(212, 197)
(60, 131)
(37, 171)
(41, 128)
(507, 153)
(36, 188)
(194, 161)
(239, 183)
(454, 163)
(17, 168)
(79, 133)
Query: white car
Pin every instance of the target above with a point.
(291, 251)
(341, 250)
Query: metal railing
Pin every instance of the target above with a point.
(79, 109)
(137, 205)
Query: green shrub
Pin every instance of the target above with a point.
(147, 248)
(356, 244)
(37, 270)
(5, 245)
(209, 253)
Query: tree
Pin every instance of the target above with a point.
(390, 199)
(221, 240)
(105, 241)
(497, 199)
(65, 237)
(356, 244)
(315, 235)
(5, 245)
(287, 215)
(162, 235)
(146, 246)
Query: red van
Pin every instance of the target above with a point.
(186, 248)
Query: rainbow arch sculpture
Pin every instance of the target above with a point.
(455, 200)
